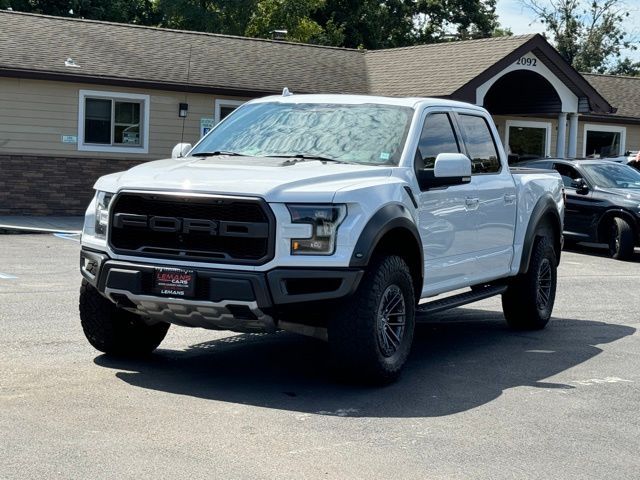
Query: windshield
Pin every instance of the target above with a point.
(366, 133)
(613, 175)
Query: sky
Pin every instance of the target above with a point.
(513, 15)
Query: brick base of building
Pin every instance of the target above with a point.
(52, 185)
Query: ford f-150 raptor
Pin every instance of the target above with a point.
(336, 216)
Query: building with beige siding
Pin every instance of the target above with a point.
(81, 98)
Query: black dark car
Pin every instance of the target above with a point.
(603, 202)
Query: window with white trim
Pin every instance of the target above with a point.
(527, 140)
(113, 122)
(225, 107)
(602, 141)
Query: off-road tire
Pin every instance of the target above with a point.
(528, 302)
(115, 331)
(621, 239)
(356, 329)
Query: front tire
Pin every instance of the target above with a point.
(528, 302)
(371, 333)
(115, 331)
(621, 240)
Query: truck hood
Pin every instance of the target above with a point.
(274, 179)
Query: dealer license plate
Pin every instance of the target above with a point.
(174, 282)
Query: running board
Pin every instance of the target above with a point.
(458, 300)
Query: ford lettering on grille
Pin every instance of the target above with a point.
(165, 224)
(202, 228)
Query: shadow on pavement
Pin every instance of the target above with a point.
(596, 250)
(456, 365)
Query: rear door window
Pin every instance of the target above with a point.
(481, 147)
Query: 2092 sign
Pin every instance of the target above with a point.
(529, 62)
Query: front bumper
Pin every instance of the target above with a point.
(242, 301)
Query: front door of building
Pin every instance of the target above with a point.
(528, 140)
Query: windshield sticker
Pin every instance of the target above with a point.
(385, 156)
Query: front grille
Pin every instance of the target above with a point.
(197, 228)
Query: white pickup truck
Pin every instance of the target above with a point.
(326, 215)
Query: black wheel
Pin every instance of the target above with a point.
(621, 240)
(113, 330)
(528, 302)
(370, 334)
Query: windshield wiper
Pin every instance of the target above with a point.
(302, 157)
(216, 153)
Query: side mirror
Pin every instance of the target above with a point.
(449, 169)
(580, 185)
(180, 150)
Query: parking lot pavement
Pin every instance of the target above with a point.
(476, 400)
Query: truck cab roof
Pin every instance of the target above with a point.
(411, 102)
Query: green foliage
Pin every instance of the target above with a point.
(375, 24)
(370, 24)
(500, 31)
(125, 11)
(294, 16)
(455, 19)
(587, 33)
(229, 17)
(626, 67)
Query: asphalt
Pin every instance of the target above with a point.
(476, 400)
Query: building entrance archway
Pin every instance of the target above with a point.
(535, 101)
(522, 92)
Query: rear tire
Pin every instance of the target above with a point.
(115, 331)
(528, 302)
(621, 240)
(371, 333)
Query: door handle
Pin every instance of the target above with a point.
(472, 202)
(509, 198)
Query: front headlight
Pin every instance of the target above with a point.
(102, 213)
(324, 221)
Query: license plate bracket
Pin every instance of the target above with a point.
(174, 282)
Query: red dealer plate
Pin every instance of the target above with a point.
(174, 282)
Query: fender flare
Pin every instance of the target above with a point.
(383, 221)
(545, 206)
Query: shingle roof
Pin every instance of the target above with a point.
(621, 92)
(109, 50)
(418, 70)
(129, 52)
(38, 45)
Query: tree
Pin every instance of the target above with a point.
(229, 17)
(375, 24)
(455, 19)
(587, 33)
(626, 67)
(371, 24)
(294, 16)
(125, 11)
